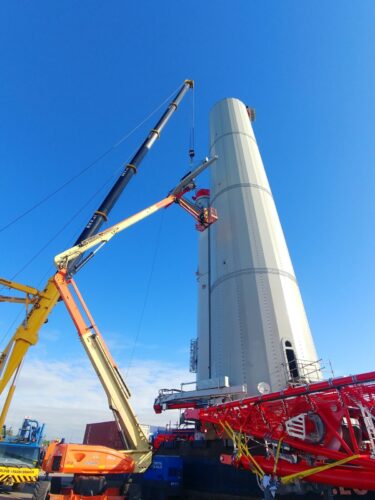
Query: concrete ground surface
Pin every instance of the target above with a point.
(25, 493)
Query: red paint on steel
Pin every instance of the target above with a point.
(331, 425)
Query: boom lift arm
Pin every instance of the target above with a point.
(26, 334)
(101, 215)
(80, 458)
(203, 217)
(85, 459)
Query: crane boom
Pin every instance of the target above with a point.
(138, 454)
(26, 334)
(63, 259)
(101, 214)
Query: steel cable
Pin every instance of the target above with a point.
(88, 167)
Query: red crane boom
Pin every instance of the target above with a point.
(322, 432)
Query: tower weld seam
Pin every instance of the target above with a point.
(252, 270)
(240, 185)
(232, 133)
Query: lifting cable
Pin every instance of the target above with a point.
(72, 179)
(239, 439)
(64, 226)
(27, 264)
(192, 128)
(10, 326)
(88, 167)
(69, 181)
(147, 293)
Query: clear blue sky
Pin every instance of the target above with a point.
(77, 76)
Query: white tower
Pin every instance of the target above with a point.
(256, 329)
(203, 276)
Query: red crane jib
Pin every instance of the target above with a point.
(323, 432)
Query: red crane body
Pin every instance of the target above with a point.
(322, 432)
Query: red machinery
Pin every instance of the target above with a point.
(172, 436)
(322, 432)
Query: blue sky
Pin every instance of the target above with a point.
(77, 76)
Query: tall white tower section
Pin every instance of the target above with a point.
(257, 330)
(203, 278)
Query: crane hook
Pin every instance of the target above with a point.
(191, 154)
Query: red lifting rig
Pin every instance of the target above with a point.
(323, 432)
